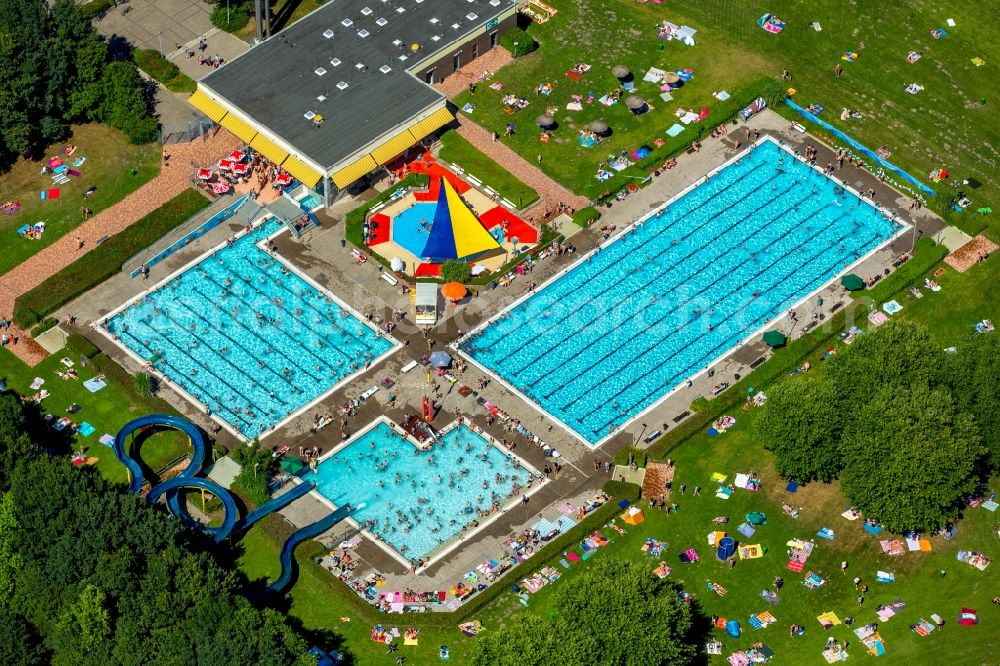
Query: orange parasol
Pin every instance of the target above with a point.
(454, 291)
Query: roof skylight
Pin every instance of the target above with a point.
(320, 71)
(335, 61)
(347, 23)
(363, 33)
(385, 69)
(471, 16)
(367, 11)
(381, 22)
(328, 33)
(343, 85)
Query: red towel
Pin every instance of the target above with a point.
(52, 194)
(573, 74)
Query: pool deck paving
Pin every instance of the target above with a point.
(322, 255)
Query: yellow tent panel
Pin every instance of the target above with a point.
(301, 172)
(207, 105)
(393, 147)
(353, 171)
(471, 236)
(430, 123)
(242, 130)
(269, 149)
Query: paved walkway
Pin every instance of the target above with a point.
(550, 193)
(172, 180)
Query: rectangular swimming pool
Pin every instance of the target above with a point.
(612, 336)
(245, 336)
(419, 500)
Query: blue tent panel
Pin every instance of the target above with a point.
(441, 240)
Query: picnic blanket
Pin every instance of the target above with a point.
(887, 611)
(751, 552)
(746, 529)
(761, 620)
(894, 547)
(828, 619)
(825, 533)
(813, 580)
(675, 129)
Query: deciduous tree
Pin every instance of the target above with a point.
(909, 458)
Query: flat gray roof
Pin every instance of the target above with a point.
(354, 54)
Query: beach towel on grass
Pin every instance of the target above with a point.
(94, 384)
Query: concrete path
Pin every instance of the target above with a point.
(173, 179)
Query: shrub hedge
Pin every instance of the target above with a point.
(926, 255)
(518, 42)
(45, 325)
(586, 216)
(105, 260)
(80, 345)
(164, 71)
(623, 489)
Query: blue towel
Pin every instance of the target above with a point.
(94, 385)
(675, 129)
(86, 429)
(712, 432)
(746, 529)
(825, 533)
(874, 530)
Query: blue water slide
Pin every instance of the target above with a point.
(307, 532)
(219, 533)
(136, 477)
(888, 166)
(273, 505)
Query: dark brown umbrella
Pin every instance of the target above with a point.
(620, 71)
(598, 127)
(635, 102)
(545, 120)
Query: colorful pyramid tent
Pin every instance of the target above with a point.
(455, 232)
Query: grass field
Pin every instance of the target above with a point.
(945, 125)
(318, 601)
(457, 150)
(109, 158)
(107, 410)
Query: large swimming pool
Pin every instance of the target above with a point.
(247, 337)
(612, 336)
(417, 500)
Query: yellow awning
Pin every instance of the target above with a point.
(431, 123)
(301, 172)
(352, 172)
(393, 147)
(269, 149)
(242, 130)
(207, 105)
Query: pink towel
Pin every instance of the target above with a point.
(572, 557)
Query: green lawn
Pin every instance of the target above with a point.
(943, 126)
(318, 601)
(457, 150)
(107, 410)
(109, 158)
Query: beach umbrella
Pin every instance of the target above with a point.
(545, 120)
(635, 103)
(397, 264)
(292, 464)
(440, 359)
(598, 127)
(774, 339)
(454, 291)
(620, 71)
(852, 282)
(670, 77)
(204, 174)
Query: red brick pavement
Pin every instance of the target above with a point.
(172, 180)
(549, 191)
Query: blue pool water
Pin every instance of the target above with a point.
(254, 350)
(411, 227)
(417, 500)
(625, 326)
(310, 201)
